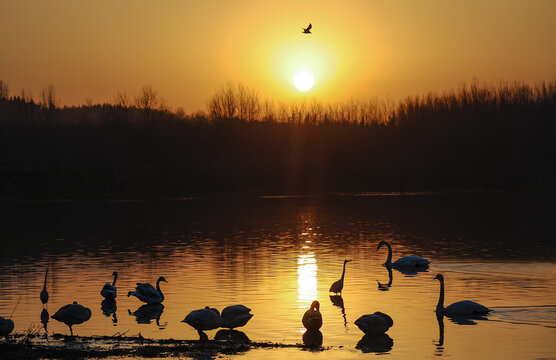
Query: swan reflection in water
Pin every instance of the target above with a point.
(148, 312)
(109, 308)
(440, 344)
(312, 338)
(45, 316)
(386, 287)
(235, 336)
(339, 302)
(375, 343)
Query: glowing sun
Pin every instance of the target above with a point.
(303, 80)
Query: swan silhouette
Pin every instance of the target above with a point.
(337, 287)
(412, 262)
(6, 327)
(147, 293)
(312, 319)
(235, 316)
(308, 29)
(44, 293)
(377, 323)
(72, 314)
(460, 308)
(147, 312)
(203, 319)
(109, 290)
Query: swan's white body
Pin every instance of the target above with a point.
(406, 261)
(147, 293)
(72, 314)
(312, 319)
(377, 323)
(44, 293)
(235, 316)
(6, 327)
(109, 291)
(337, 287)
(464, 307)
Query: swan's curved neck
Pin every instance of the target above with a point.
(343, 272)
(440, 305)
(158, 288)
(389, 259)
(115, 278)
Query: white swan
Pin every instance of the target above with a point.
(203, 319)
(464, 307)
(235, 316)
(6, 327)
(44, 293)
(377, 323)
(72, 314)
(312, 319)
(337, 287)
(109, 290)
(147, 293)
(406, 261)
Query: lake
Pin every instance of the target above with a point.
(277, 254)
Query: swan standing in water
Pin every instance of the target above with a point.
(464, 307)
(377, 323)
(235, 316)
(44, 293)
(147, 293)
(203, 319)
(72, 314)
(406, 261)
(109, 290)
(6, 327)
(312, 319)
(337, 287)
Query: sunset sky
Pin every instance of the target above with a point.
(187, 49)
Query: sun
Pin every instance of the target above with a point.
(303, 80)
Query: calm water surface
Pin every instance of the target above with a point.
(276, 255)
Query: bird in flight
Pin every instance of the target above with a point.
(308, 30)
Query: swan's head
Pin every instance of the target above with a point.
(380, 244)
(346, 261)
(162, 279)
(315, 305)
(115, 273)
(439, 277)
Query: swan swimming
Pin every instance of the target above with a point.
(406, 261)
(72, 314)
(203, 319)
(337, 287)
(464, 307)
(44, 293)
(109, 290)
(147, 293)
(377, 323)
(312, 319)
(235, 316)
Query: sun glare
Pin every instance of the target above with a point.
(303, 80)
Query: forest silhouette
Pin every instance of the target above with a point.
(478, 137)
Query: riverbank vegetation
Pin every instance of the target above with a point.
(478, 137)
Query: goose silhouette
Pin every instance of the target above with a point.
(308, 30)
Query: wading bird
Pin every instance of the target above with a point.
(203, 319)
(404, 262)
(109, 290)
(308, 30)
(377, 323)
(44, 293)
(337, 287)
(235, 316)
(6, 327)
(147, 293)
(312, 319)
(461, 308)
(72, 314)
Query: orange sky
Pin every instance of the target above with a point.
(188, 49)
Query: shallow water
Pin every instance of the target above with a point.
(278, 254)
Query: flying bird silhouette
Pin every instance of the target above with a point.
(308, 30)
